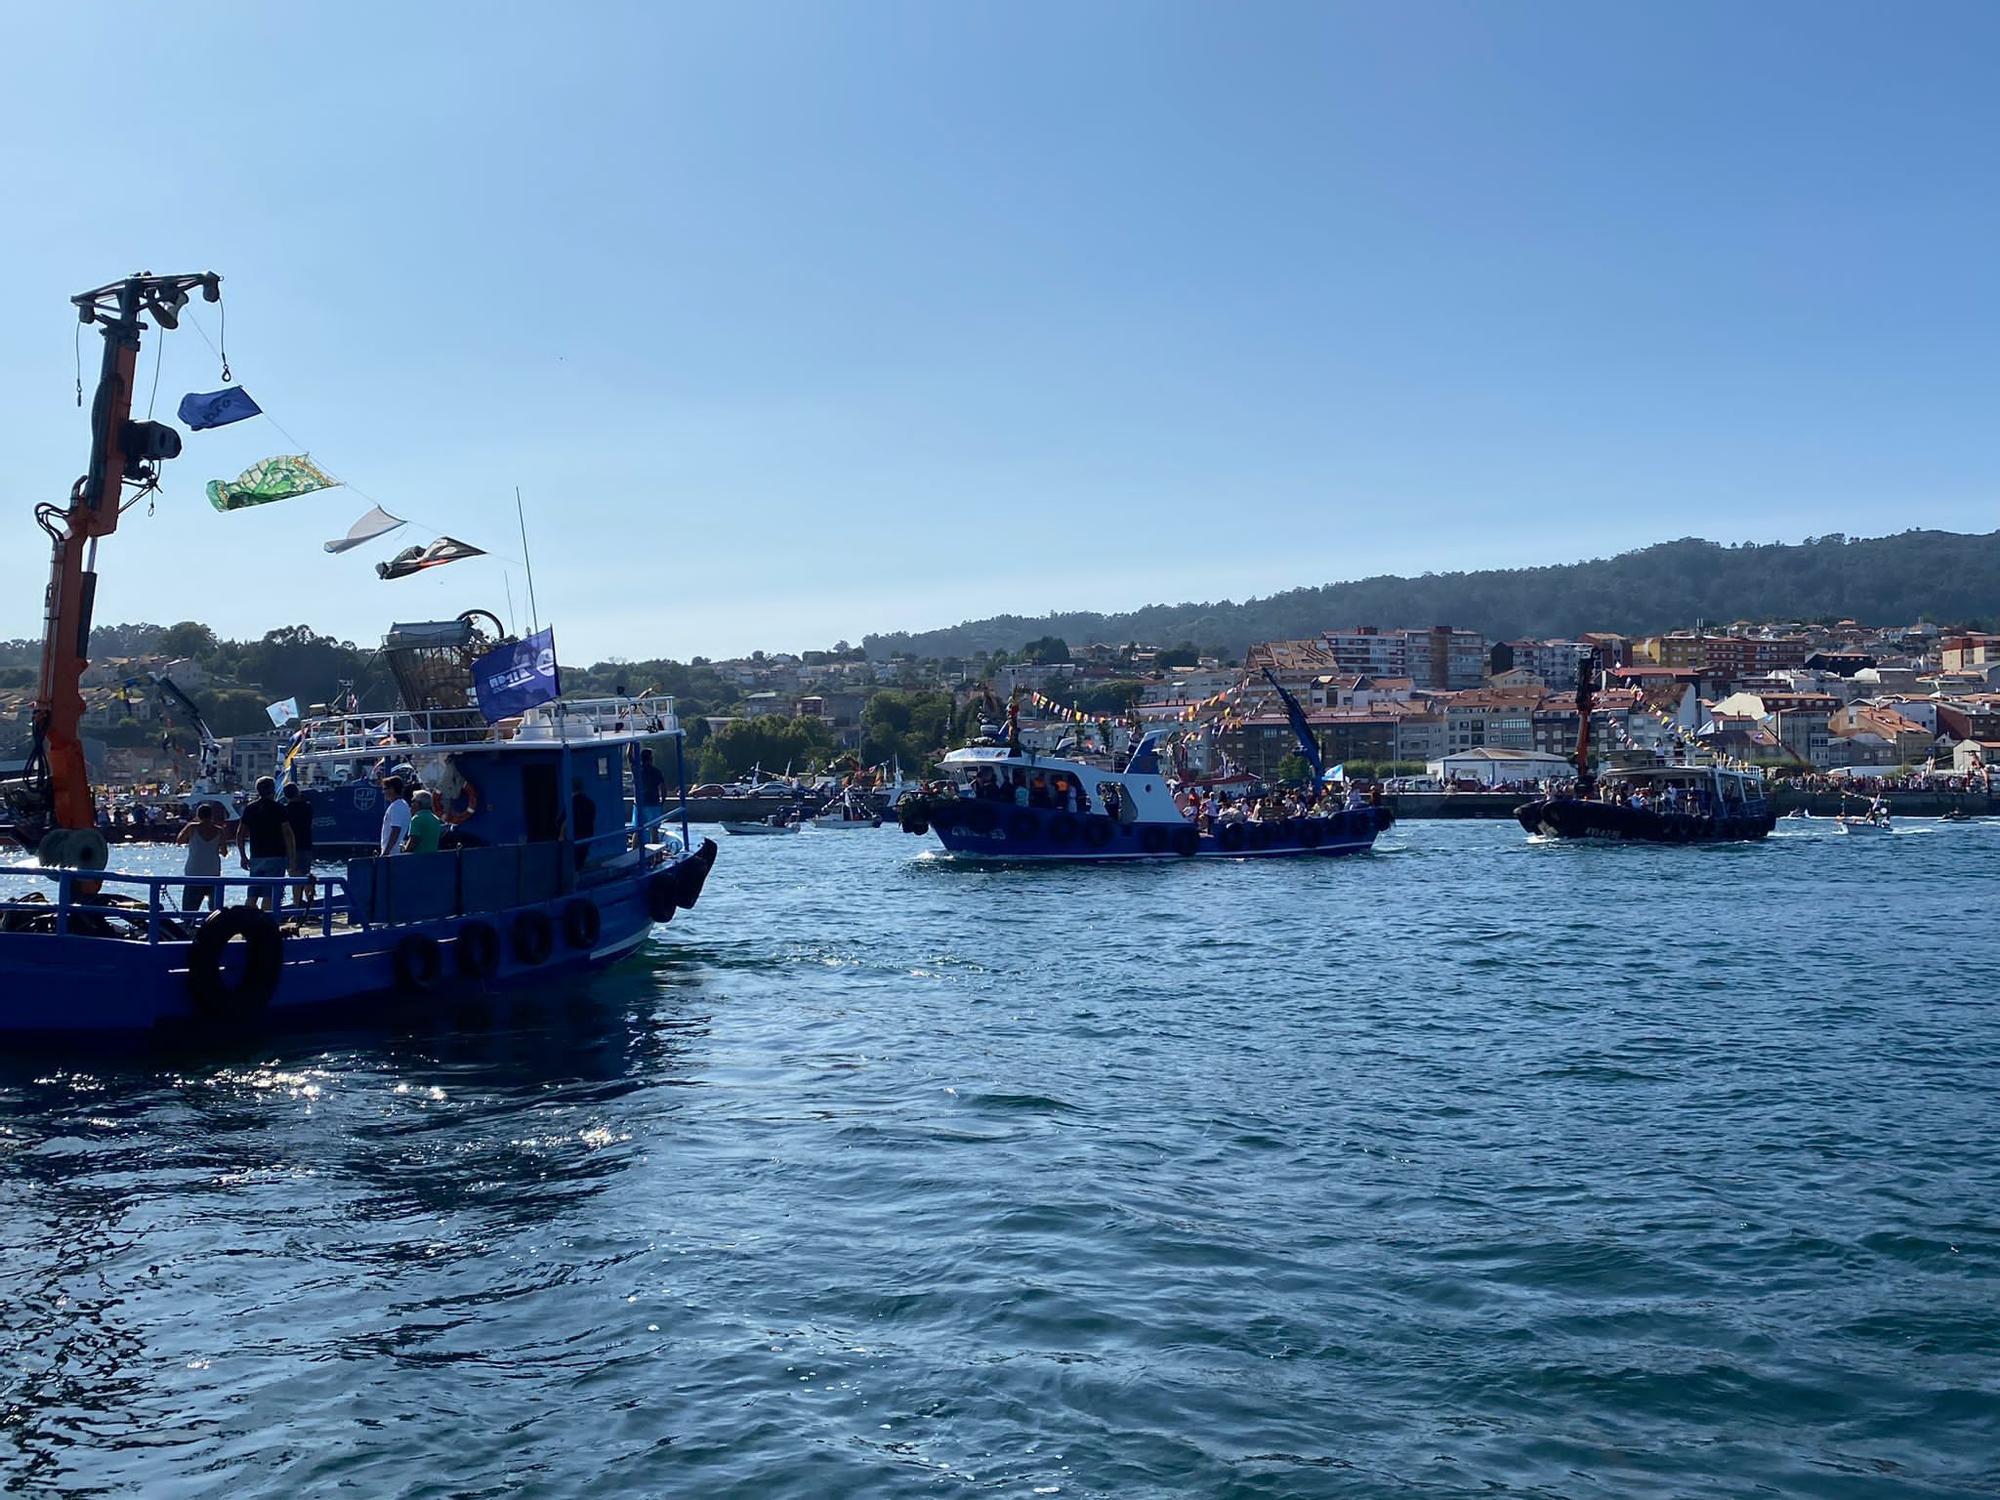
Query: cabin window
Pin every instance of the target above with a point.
(1115, 800)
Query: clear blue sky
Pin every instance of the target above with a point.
(799, 321)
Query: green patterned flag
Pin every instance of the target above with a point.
(273, 479)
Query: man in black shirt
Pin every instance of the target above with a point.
(299, 814)
(266, 837)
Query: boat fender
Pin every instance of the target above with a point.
(660, 892)
(478, 949)
(979, 820)
(1021, 825)
(214, 997)
(1153, 840)
(1232, 836)
(582, 923)
(419, 963)
(534, 937)
(1062, 828)
(1097, 832)
(1311, 832)
(1186, 841)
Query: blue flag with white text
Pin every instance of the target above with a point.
(217, 408)
(512, 679)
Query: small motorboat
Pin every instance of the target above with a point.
(778, 822)
(850, 812)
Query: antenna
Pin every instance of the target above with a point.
(534, 623)
(508, 584)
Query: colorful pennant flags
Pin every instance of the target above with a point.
(217, 408)
(415, 559)
(280, 478)
(378, 522)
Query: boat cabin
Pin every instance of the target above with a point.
(1706, 790)
(1138, 794)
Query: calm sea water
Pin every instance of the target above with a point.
(1470, 1168)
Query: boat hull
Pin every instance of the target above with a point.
(987, 830)
(1617, 823)
(72, 985)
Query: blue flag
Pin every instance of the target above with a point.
(1308, 745)
(217, 408)
(512, 679)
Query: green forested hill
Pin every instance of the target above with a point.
(1944, 576)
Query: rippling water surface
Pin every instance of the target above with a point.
(1472, 1167)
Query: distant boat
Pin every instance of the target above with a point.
(847, 814)
(778, 822)
(1078, 811)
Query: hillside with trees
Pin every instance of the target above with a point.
(1947, 577)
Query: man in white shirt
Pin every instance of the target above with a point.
(395, 817)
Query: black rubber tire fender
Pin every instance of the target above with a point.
(1312, 833)
(419, 963)
(213, 998)
(1097, 831)
(1021, 825)
(1232, 837)
(582, 923)
(1187, 841)
(534, 936)
(1153, 839)
(477, 950)
(1063, 828)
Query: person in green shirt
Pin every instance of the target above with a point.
(426, 827)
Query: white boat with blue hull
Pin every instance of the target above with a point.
(545, 874)
(1003, 803)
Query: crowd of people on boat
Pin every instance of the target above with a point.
(1037, 788)
(1210, 809)
(1698, 800)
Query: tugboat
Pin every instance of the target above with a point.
(547, 879)
(1690, 804)
(1004, 802)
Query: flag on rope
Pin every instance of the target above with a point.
(279, 478)
(282, 712)
(217, 408)
(415, 559)
(378, 522)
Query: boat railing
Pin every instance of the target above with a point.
(396, 731)
(150, 902)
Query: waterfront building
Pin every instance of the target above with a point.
(1496, 767)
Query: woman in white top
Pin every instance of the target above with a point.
(207, 840)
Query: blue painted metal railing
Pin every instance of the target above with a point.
(157, 909)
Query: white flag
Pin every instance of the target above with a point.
(378, 522)
(283, 712)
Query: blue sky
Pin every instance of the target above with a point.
(795, 322)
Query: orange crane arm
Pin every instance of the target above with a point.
(121, 452)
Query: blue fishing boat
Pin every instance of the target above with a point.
(1006, 802)
(543, 873)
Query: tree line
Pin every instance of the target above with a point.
(1949, 578)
